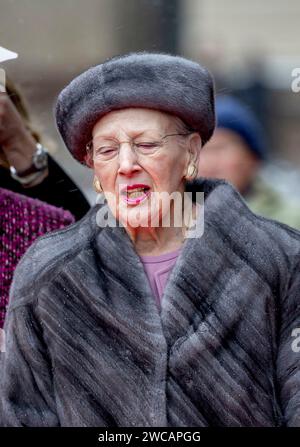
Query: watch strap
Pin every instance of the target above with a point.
(26, 180)
(38, 166)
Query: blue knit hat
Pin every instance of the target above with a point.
(236, 116)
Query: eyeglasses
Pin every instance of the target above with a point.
(108, 148)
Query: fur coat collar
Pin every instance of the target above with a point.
(218, 354)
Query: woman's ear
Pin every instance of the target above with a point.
(88, 159)
(195, 145)
(193, 152)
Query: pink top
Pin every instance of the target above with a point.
(158, 269)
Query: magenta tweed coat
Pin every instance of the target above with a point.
(22, 220)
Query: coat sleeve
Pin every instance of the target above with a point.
(288, 359)
(56, 189)
(26, 393)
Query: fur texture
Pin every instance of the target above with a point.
(158, 81)
(87, 346)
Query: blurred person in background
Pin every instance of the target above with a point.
(25, 165)
(237, 152)
(120, 320)
(23, 219)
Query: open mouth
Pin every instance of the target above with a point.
(135, 193)
(138, 192)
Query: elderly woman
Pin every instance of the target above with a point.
(136, 324)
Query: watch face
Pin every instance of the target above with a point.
(40, 158)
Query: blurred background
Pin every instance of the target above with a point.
(250, 47)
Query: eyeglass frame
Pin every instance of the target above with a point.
(131, 142)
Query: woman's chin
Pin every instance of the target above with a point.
(138, 216)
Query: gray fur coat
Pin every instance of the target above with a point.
(87, 346)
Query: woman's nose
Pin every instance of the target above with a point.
(127, 160)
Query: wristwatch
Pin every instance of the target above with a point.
(38, 166)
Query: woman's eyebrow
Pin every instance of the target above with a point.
(147, 131)
(135, 135)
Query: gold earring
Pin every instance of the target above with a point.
(191, 172)
(97, 185)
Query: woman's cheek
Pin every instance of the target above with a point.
(106, 177)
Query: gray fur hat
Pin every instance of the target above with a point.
(158, 81)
